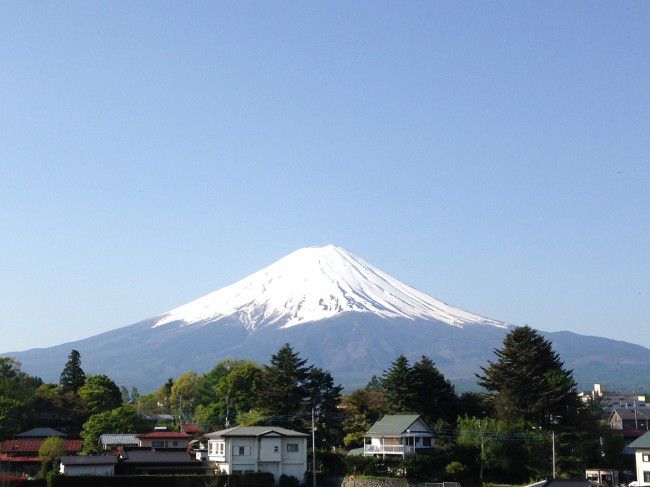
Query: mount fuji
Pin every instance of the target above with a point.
(340, 312)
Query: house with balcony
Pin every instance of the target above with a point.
(164, 439)
(398, 435)
(247, 449)
(641, 447)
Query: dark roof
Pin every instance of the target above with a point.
(629, 413)
(152, 456)
(641, 442)
(41, 433)
(254, 431)
(164, 434)
(392, 424)
(562, 483)
(32, 445)
(89, 460)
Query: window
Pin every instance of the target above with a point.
(275, 449)
(426, 442)
(175, 443)
(646, 476)
(242, 450)
(158, 444)
(220, 448)
(646, 457)
(293, 447)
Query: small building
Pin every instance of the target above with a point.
(191, 429)
(164, 439)
(641, 447)
(604, 477)
(398, 435)
(41, 433)
(152, 461)
(247, 449)
(112, 441)
(103, 465)
(19, 456)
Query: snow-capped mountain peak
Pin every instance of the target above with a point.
(313, 284)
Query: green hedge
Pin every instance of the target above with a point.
(235, 480)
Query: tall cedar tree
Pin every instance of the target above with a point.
(529, 382)
(73, 376)
(286, 381)
(324, 397)
(398, 386)
(433, 396)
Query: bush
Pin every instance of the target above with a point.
(289, 481)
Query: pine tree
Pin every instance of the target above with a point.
(397, 383)
(286, 379)
(528, 381)
(433, 396)
(73, 376)
(324, 397)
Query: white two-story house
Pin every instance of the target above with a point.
(398, 435)
(641, 447)
(247, 449)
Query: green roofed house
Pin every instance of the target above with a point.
(398, 435)
(641, 447)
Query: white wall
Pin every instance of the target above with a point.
(641, 466)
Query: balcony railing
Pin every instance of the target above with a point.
(389, 449)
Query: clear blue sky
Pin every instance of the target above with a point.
(495, 155)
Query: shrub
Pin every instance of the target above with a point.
(289, 481)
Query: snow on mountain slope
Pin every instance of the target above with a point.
(313, 284)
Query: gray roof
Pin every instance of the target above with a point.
(151, 456)
(628, 413)
(89, 460)
(254, 431)
(41, 433)
(119, 439)
(642, 442)
(392, 424)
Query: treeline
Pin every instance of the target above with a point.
(501, 434)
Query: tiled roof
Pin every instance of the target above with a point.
(392, 424)
(33, 445)
(40, 433)
(254, 431)
(89, 460)
(642, 442)
(164, 434)
(191, 428)
(18, 458)
(119, 439)
(152, 456)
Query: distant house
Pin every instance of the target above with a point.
(103, 465)
(164, 439)
(153, 461)
(631, 423)
(112, 441)
(398, 435)
(20, 455)
(641, 447)
(245, 449)
(192, 429)
(41, 433)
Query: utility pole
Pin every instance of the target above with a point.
(553, 446)
(313, 449)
